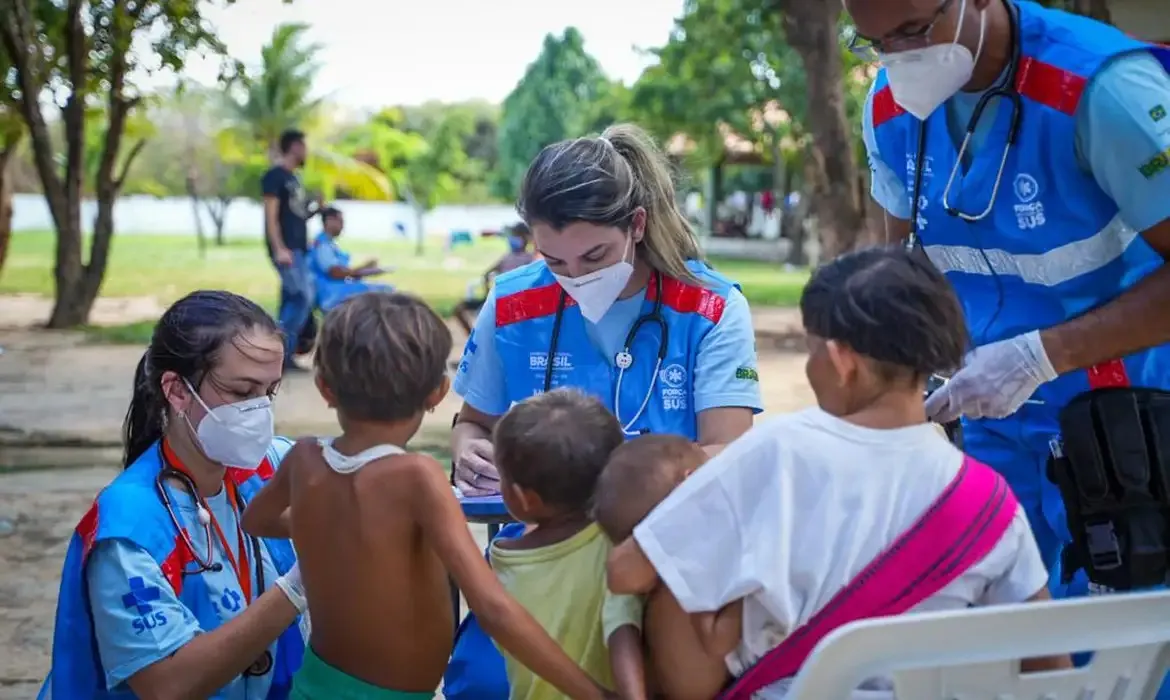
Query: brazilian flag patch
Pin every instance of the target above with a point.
(747, 374)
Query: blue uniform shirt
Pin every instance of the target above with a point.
(730, 345)
(1118, 130)
(139, 620)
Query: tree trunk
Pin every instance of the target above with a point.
(811, 29)
(217, 210)
(193, 194)
(5, 201)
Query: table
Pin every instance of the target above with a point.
(486, 510)
(482, 510)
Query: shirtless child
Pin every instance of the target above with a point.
(377, 528)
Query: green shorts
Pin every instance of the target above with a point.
(318, 680)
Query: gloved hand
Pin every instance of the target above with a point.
(291, 584)
(995, 380)
(475, 475)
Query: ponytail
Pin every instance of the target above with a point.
(669, 241)
(604, 181)
(144, 419)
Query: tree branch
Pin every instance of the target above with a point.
(17, 32)
(73, 113)
(134, 151)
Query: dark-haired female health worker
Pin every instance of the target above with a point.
(162, 594)
(622, 307)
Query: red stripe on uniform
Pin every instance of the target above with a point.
(687, 298)
(87, 529)
(239, 476)
(1108, 375)
(529, 304)
(884, 107)
(176, 563)
(1050, 86)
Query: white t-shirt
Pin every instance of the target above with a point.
(791, 512)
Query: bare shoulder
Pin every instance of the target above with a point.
(415, 471)
(304, 451)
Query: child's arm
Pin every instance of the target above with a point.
(505, 620)
(720, 632)
(267, 512)
(628, 571)
(621, 621)
(628, 662)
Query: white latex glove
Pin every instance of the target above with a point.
(995, 381)
(291, 584)
(475, 474)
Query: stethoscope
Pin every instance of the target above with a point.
(623, 359)
(1006, 89)
(204, 563)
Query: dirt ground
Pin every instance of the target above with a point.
(61, 406)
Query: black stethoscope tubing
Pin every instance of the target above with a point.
(204, 563)
(1006, 89)
(655, 317)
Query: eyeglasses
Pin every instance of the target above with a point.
(870, 50)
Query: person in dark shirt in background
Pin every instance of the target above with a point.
(286, 211)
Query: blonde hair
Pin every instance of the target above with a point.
(603, 180)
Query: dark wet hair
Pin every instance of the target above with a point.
(603, 181)
(289, 138)
(556, 444)
(382, 354)
(187, 340)
(638, 476)
(892, 306)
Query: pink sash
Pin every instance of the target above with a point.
(958, 530)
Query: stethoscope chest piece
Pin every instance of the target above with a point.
(623, 360)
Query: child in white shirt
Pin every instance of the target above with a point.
(757, 541)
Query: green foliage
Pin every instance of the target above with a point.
(727, 62)
(555, 100)
(278, 95)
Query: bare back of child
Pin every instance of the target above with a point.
(378, 529)
(390, 621)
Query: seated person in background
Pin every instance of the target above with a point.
(519, 239)
(809, 508)
(335, 280)
(377, 529)
(550, 449)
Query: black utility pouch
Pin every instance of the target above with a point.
(1113, 475)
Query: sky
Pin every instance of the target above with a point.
(400, 52)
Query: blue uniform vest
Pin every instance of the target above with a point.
(331, 291)
(1053, 246)
(526, 308)
(130, 509)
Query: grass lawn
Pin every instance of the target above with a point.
(167, 267)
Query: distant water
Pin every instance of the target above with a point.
(245, 218)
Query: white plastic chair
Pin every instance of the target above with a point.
(971, 654)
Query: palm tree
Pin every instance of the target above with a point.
(280, 96)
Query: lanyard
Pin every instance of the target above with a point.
(240, 566)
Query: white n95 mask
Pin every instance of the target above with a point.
(597, 291)
(235, 434)
(923, 79)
